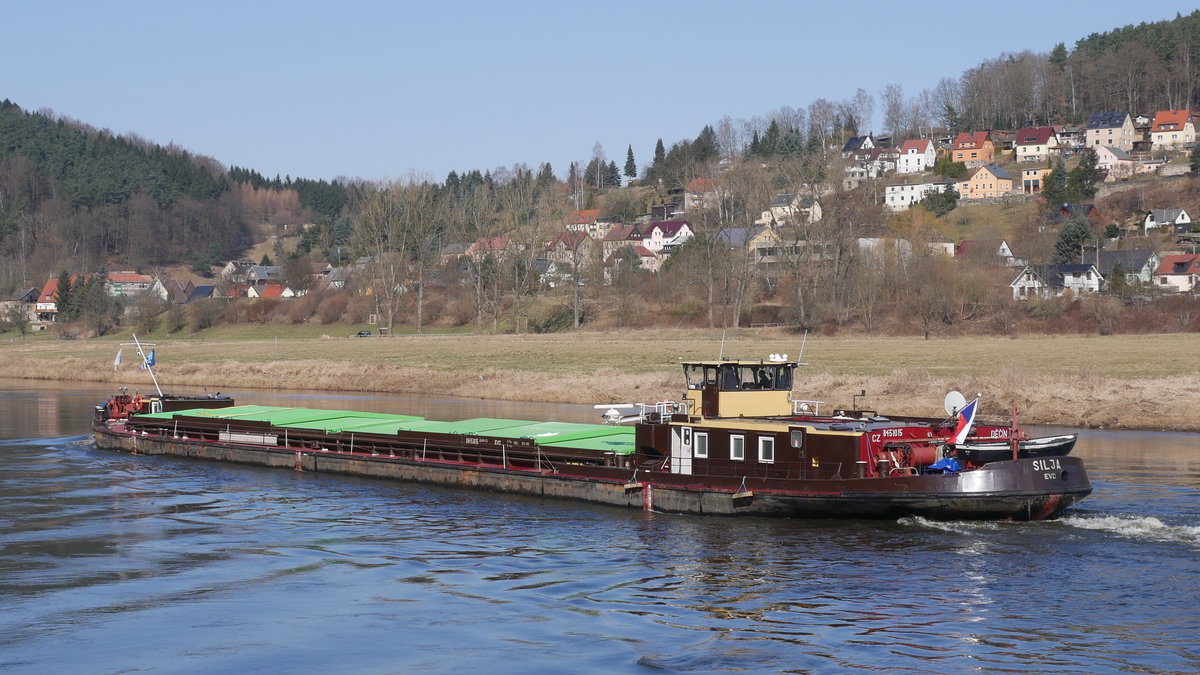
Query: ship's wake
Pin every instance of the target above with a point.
(1146, 528)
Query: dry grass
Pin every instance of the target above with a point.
(1143, 381)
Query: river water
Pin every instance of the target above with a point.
(116, 563)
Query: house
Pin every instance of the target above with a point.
(791, 208)
(202, 292)
(1172, 130)
(1052, 281)
(1176, 219)
(663, 237)
(1137, 266)
(1114, 128)
(700, 193)
(1117, 162)
(270, 289)
(572, 248)
(448, 254)
(876, 161)
(1035, 144)
(901, 196)
(1179, 273)
(583, 220)
(46, 306)
(989, 252)
(975, 149)
(1032, 180)
(489, 246)
(618, 238)
(916, 156)
(857, 143)
(178, 292)
(125, 284)
(985, 182)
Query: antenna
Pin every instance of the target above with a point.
(721, 354)
(802, 343)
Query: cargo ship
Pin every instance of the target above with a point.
(736, 443)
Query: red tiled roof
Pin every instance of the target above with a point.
(271, 291)
(128, 278)
(570, 240)
(919, 146)
(643, 251)
(584, 217)
(971, 139)
(1170, 120)
(698, 185)
(49, 291)
(1184, 263)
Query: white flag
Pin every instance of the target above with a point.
(117, 361)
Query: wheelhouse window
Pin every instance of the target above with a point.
(737, 448)
(700, 445)
(766, 449)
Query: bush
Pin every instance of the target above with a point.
(554, 320)
(333, 308)
(203, 314)
(176, 319)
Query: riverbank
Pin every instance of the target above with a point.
(1131, 382)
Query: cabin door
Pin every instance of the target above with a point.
(681, 450)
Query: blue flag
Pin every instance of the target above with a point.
(148, 362)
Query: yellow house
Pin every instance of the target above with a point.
(974, 148)
(985, 182)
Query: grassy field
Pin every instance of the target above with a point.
(1143, 381)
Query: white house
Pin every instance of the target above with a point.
(1055, 280)
(667, 234)
(1173, 129)
(1178, 273)
(1117, 162)
(916, 156)
(1171, 218)
(1035, 144)
(900, 197)
(1137, 266)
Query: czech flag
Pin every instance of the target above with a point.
(966, 417)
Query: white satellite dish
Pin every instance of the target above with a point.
(955, 401)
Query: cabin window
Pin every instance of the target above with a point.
(737, 448)
(700, 446)
(766, 449)
(797, 438)
(694, 375)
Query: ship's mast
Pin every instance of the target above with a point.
(145, 361)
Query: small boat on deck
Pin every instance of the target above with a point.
(984, 451)
(735, 444)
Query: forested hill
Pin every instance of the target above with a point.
(72, 197)
(88, 168)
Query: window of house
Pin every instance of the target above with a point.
(766, 449)
(737, 448)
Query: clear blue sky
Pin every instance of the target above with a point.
(382, 90)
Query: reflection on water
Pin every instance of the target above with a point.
(110, 562)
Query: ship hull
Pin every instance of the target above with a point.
(1023, 489)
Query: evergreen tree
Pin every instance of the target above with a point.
(545, 176)
(705, 146)
(65, 301)
(630, 165)
(770, 140)
(660, 154)
(1054, 189)
(941, 203)
(755, 147)
(1194, 160)
(614, 175)
(791, 144)
(946, 166)
(1084, 180)
(266, 261)
(1071, 236)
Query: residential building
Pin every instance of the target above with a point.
(46, 306)
(1172, 130)
(975, 149)
(1113, 128)
(791, 208)
(574, 249)
(1055, 280)
(1117, 162)
(700, 193)
(857, 143)
(1136, 266)
(1179, 273)
(1035, 144)
(126, 284)
(916, 156)
(664, 237)
(1176, 219)
(901, 196)
(270, 289)
(618, 238)
(582, 221)
(984, 183)
(1032, 180)
(496, 247)
(990, 252)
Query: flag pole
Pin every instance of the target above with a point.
(146, 363)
